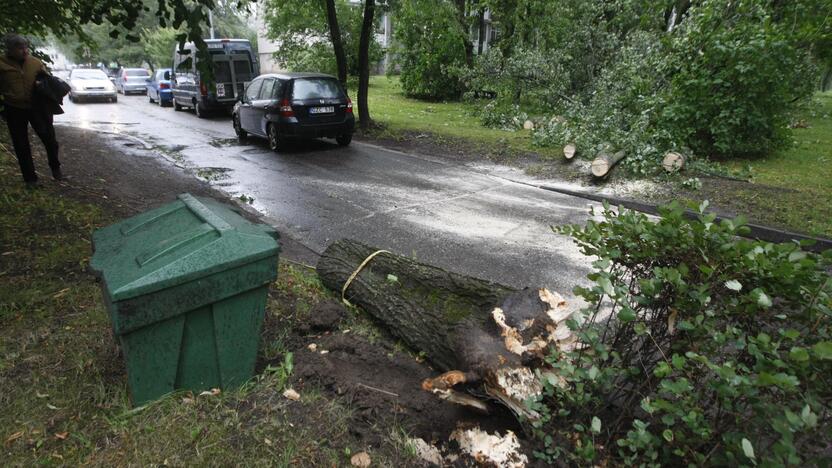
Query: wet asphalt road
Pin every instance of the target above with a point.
(469, 218)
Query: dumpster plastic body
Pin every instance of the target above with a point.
(186, 287)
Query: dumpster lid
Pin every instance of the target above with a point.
(177, 243)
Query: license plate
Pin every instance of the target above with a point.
(221, 91)
(322, 110)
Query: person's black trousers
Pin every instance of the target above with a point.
(18, 121)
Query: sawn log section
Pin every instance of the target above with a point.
(420, 304)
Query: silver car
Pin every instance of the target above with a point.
(132, 80)
(90, 84)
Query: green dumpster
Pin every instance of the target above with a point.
(185, 286)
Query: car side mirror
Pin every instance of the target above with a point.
(166, 75)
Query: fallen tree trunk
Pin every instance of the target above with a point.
(673, 161)
(478, 332)
(605, 161)
(570, 150)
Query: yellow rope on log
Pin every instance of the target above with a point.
(356, 272)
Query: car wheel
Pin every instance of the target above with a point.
(199, 110)
(238, 129)
(343, 140)
(275, 142)
(161, 102)
(115, 99)
(149, 98)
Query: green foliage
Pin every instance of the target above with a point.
(722, 79)
(735, 76)
(429, 44)
(301, 29)
(158, 46)
(73, 20)
(700, 348)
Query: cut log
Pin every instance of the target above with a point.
(477, 332)
(570, 150)
(605, 161)
(673, 161)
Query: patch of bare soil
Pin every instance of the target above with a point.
(383, 387)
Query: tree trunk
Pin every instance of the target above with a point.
(422, 306)
(673, 161)
(462, 19)
(337, 43)
(605, 161)
(570, 150)
(364, 63)
(472, 329)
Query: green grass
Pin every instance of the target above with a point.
(447, 120)
(63, 388)
(804, 171)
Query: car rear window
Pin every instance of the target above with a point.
(137, 73)
(316, 88)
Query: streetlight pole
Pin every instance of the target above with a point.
(211, 22)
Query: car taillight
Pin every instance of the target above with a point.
(349, 106)
(203, 89)
(286, 109)
(164, 86)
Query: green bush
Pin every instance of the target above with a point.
(428, 45)
(735, 75)
(700, 348)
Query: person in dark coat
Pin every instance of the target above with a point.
(18, 73)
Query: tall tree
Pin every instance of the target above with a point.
(364, 62)
(337, 43)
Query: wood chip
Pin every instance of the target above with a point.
(61, 435)
(361, 459)
(312, 347)
(291, 394)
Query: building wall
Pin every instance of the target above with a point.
(265, 47)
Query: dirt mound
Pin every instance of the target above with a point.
(383, 386)
(324, 316)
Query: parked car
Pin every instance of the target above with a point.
(132, 80)
(158, 88)
(294, 105)
(91, 84)
(234, 65)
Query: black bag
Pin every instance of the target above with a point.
(51, 91)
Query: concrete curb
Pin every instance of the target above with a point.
(760, 232)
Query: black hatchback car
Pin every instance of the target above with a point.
(294, 105)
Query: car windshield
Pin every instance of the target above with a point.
(136, 73)
(317, 88)
(88, 75)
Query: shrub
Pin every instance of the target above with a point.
(701, 347)
(530, 77)
(736, 75)
(427, 48)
